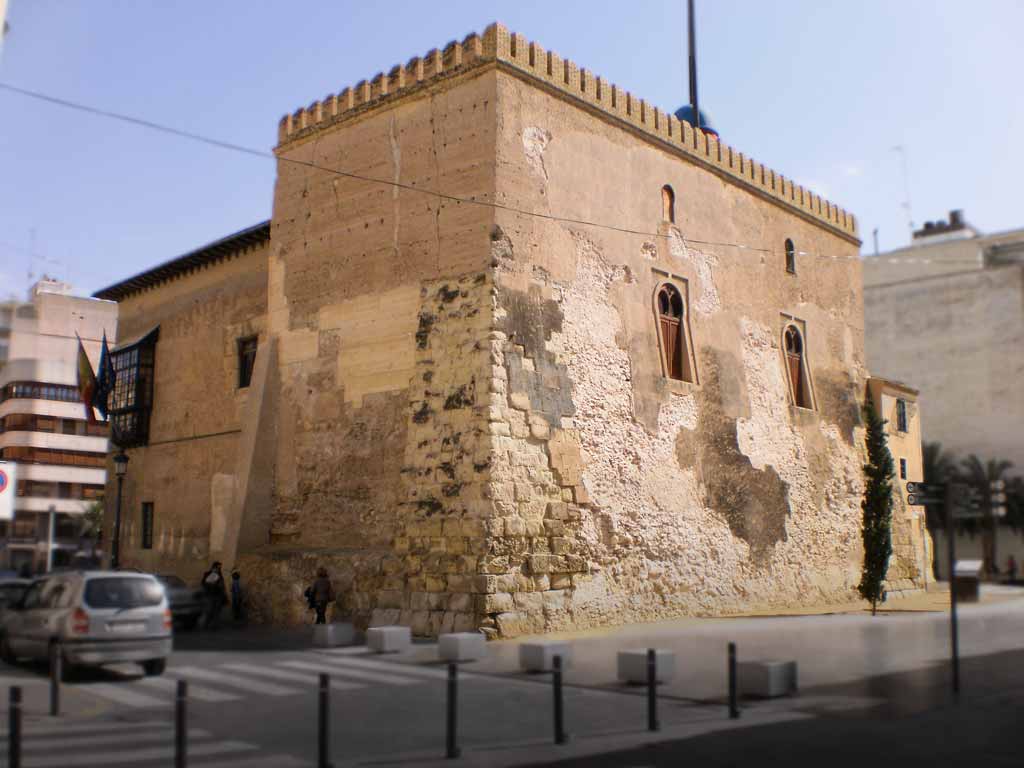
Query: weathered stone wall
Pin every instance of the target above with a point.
(189, 470)
(625, 495)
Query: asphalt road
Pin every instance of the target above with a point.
(253, 702)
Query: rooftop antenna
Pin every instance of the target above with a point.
(905, 205)
(693, 63)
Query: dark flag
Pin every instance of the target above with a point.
(86, 382)
(104, 379)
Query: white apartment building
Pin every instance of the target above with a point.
(60, 457)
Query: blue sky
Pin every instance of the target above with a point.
(819, 90)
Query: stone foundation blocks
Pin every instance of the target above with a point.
(462, 646)
(537, 656)
(766, 679)
(632, 665)
(333, 635)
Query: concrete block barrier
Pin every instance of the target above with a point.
(632, 665)
(333, 635)
(767, 679)
(537, 655)
(393, 639)
(462, 646)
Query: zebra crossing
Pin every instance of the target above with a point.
(135, 745)
(291, 675)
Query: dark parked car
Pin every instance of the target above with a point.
(186, 602)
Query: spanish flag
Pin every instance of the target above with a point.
(86, 381)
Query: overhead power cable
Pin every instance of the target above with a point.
(388, 182)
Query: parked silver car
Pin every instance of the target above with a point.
(98, 617)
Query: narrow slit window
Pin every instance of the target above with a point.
(147, 525)
(796, 367)
(901, 415)
(790, 257)
(672, 328)
(246, 360)
(903, 469)
(668, 204)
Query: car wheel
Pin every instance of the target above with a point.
(6, 653)
(154, 667)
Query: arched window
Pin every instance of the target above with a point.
(790, 257)
(672, 327)
(668, 204)
(796, 367)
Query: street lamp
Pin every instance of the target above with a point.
(120, 468)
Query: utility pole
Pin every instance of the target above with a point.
(49, 538)
(874, 234)
(693, 63)
(950, 490)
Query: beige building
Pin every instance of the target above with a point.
(517, 351)
(60, 457)
(947, 313)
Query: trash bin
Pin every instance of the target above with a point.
(966, 580)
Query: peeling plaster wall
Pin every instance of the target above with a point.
(625, 495)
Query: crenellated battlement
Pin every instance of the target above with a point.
(498, 44)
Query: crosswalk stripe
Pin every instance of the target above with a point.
(295, 677)
(122, 694)
(127, 740)
(33, 729)
(162, 754)
(232, 681)
(434, 673)
(334, 666)
(197, 692)
(273, 761)
(348, 650)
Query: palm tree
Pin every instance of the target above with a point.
(980, 475)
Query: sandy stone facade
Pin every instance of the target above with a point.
(460, 402)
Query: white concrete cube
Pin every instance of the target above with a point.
(538, 655)
(462, 646)
(333, 635)
(766, 679)
(394, 639)
(633, 665)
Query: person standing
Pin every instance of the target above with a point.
(1011, 568)
(323, 594)
(216, 594)
(237, 597)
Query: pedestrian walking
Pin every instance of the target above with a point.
(215, 593)
(237, 597)
(321, 595)
(1011, 568)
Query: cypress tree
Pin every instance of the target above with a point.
(877, 506)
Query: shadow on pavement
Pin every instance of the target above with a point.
(905, 719)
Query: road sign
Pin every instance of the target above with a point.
(8, 489)
(926, 489)
(920, 500)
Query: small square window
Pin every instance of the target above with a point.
(903, 469)
(147, 525)
(246, 360)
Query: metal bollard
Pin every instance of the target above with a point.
(652, 691)
(56, 660)
(734, 709)
(556, 681)
(181, 725)
(14, 727)
(452, 747)
(324, 760)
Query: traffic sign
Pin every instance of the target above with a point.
(926, 489)
(920, 500)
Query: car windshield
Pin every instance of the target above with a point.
(122, 593)
(171, 580)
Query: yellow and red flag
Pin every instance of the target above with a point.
(86, 382)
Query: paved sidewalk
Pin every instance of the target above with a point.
(830, 649)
